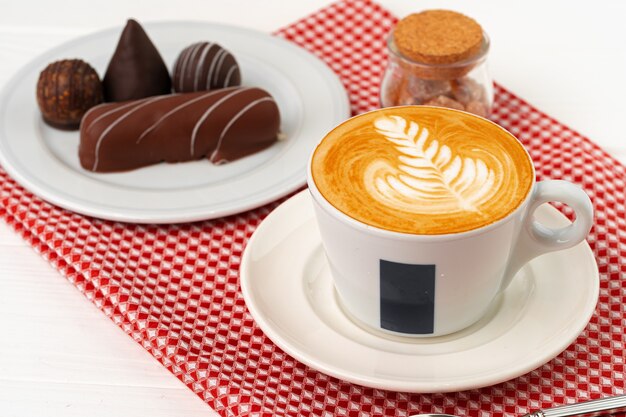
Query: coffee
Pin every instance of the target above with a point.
(422, 170)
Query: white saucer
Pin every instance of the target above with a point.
(44, 160)
(287, 287)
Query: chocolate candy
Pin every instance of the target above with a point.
(205, 66)
(222, 125)
(66, 89)
(136, 69)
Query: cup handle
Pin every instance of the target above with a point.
(536, 239)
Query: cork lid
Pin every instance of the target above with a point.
(438, 37)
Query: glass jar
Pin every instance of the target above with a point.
(463, 85)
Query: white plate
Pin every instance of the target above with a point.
(287, 287)
(44, 160)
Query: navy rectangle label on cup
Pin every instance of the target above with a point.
(407, 297)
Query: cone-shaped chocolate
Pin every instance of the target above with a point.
(136, 69)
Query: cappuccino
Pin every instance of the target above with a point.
(422, 170)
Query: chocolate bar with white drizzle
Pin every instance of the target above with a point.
(221, 125)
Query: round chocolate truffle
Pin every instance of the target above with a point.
(66, 90)
(205, 66)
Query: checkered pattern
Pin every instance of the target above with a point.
(175, 289)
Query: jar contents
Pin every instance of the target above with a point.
(438, 58)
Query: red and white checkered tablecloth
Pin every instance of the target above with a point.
(175, 289)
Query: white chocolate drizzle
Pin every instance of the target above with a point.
(206, 114)
(107, 113)
(231, 70)
(116, 122)
(171, 112)
(232, 122)
(205, 51)
(212, 67)
(188, 56)
(216, 78)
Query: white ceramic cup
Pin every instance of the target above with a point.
(432, 285)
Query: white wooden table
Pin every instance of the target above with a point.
(59, 356)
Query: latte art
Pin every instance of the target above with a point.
(422, 170)
(428, 176)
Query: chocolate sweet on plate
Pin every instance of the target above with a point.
(205, 66)
(136, 69)
(66, 89)
(221, 125)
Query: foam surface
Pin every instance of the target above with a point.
(422, 170)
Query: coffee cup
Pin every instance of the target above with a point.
(426, 215)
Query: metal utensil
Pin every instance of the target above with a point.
(602, 406)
